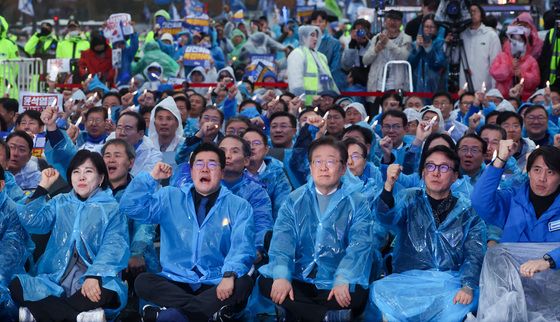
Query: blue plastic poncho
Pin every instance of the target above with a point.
(12, 189)
(337, 246)
(458, 244)
(247, 188)
(93, 228)
(224, 242)
(141, 240)
(455, 247)
(276, 182)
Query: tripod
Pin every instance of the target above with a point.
(457, 56)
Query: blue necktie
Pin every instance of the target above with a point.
(201, 211)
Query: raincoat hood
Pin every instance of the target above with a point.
(199, 69)
(237, 32)
(146, 74)
(535, 44)
(229, 70)
(162, 13)
(167, 104)
(431, 108)
(304, 33)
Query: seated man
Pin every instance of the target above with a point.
(322, 244)
(166, 129)
(207, 241)
(519, 278)
(439, 245)
(94, 136)
(22, 164)
(13, 252)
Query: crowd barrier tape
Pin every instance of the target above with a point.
(426, 95)
(20, 74)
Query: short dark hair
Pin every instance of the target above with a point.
(551, 157)
(213, 108)
(506, 115)
(434, 136)
(318, 13)
(260, 132)
(181, 97)
(534, 107)
(449, 153)
(204, 102)
(112, 94)
(144, 109)
(246, 146)
(238, 118)
(338, 109)
(129, 149)
(9, 104)
(431, 4)
(4, 145)
(444, 94)
(473, 136)
(23, 135)
(328, 141)
(367, 134)
(293, 120)
(80, 158)
(493, 113)
(209, 147)
(96, 109)
(465, 94)
(36, 115)
(140, 122)
(349, 141)
(397, 114)
(250, 101)
(493, 127)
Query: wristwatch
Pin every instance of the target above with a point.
(229, 274)
(550, 261)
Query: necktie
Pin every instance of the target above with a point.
(201, 211)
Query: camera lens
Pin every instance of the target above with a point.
(361, 33)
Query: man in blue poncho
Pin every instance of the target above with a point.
(321, 258)
(207, 241)
(439, 245)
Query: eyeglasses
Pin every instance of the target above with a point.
(329, 163)
(511, 126)
(211, 165)
(443, 168)
(355, 157)
(472, 150)
(533, 118)
(96, 121)
(207, 118)
(256, 143)
(389, 127)
(124, 129)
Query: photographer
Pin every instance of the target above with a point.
(352, 57)
(482, 45)
(413, 27)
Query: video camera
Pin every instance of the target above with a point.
(454, 15)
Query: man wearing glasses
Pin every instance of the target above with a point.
(321, 249)
(207, 241)
(439, 246)
(444, 103)
(471, 149)
(393, 145)
(536, 125)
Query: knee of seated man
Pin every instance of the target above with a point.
(142, 284)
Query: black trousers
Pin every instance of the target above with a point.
(310, 303)
(54, 308)
(197, 305)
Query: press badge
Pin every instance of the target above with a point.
(554, 226)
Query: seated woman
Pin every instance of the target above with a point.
(78, 275)
(519, 279)
(439, 246)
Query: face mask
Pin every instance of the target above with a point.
(74, 33)
(205, 45)
(517, 48)
(99, 51)
(160, 20)
(154, 76)
(250, 112)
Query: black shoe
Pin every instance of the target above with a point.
(150, 313)
(226, 314)
(338, 316)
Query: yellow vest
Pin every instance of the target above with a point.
(311, 74)
(555, 43)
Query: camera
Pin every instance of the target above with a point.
(453, 15)
(361, 33)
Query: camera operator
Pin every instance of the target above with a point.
(352, 57)
(412, 28)
(481, 45)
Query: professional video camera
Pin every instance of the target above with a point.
(454, 16)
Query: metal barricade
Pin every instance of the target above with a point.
(20, 74)
(397, 62)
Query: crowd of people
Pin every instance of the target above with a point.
(162, 201)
